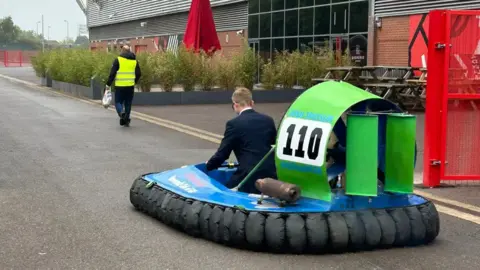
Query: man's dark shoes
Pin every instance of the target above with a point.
(127, 122)
(122, 119)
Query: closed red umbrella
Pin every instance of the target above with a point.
(200, 32)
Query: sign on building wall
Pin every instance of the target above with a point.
(418, 40)
(462, 28)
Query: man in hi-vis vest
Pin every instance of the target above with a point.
(126, 73)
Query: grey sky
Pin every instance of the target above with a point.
(26, 14)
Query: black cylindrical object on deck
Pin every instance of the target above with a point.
(278, 189)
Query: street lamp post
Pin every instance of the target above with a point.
(48, 33)
(67, 29)
(43, 36)
(37, 26)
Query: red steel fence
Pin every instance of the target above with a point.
(452, 116)
(10, 58)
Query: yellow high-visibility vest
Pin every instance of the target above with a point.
(126, 72)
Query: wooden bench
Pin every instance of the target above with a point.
(320, 80)
(386, 89)
(416, 81)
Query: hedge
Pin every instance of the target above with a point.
(193, 71)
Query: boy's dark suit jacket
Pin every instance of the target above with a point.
(250, 136)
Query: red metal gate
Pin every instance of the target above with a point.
(11, 58)
(452, 116)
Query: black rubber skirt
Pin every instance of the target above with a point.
(327, 232)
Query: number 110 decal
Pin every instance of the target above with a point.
(303, 141)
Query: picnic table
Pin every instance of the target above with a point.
(347, 73)
(402, 85)
(407, 72)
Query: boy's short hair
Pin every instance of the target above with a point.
(242, 96)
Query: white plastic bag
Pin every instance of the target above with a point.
(107, 98)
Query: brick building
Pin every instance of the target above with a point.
(158, 25)
(399, 29)
(377, 32)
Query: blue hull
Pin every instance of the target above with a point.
(194, 183)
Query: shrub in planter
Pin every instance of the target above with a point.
(246, 63)
(207, 71)
(226, 72)
(103, 64)
(55, 64)
(269, 76)
(310, 65)
(78, 66)
(188, 68)
(286, 68)
(39, 63)
(146, 60)
(328, 58)
(165, 70)
(346, 59)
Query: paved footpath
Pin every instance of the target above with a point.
(65, 172)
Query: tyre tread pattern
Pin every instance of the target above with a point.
(289, 232)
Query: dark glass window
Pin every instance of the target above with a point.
(278, 22)
(339, 19)
(291, 44)
(253, 6)
(306, 21)
(265, 48)
(265, 24)
(337, 1)
(253, 26)
(359, 16)
(254, 46)
(278, 4)
(322, 20)
(305, 43)
(291, 23)
(265, 5)
(358, 49)
(277, 44)
(291, 4)
(322, 2)
(321, 42)
(306, 3)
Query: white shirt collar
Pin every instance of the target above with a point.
(247, 108)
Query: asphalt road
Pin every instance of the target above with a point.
(65, 172)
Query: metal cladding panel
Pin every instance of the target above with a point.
(102, 12)
(388, 8)
(229, 17)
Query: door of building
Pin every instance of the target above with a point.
(140, 48)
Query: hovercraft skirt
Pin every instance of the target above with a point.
(290, 232)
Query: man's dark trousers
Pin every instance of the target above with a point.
(124, 97)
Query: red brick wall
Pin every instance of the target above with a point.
(391, 42)
(229, 41)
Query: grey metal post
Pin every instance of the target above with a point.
(43, 36)
(67, 29)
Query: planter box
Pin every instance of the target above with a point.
(95, 91)
(212, 97)
(46, 81)
(92, 92)
(71, 89)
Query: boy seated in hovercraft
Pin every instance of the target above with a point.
(250, 136)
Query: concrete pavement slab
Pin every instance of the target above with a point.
(25, 73)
